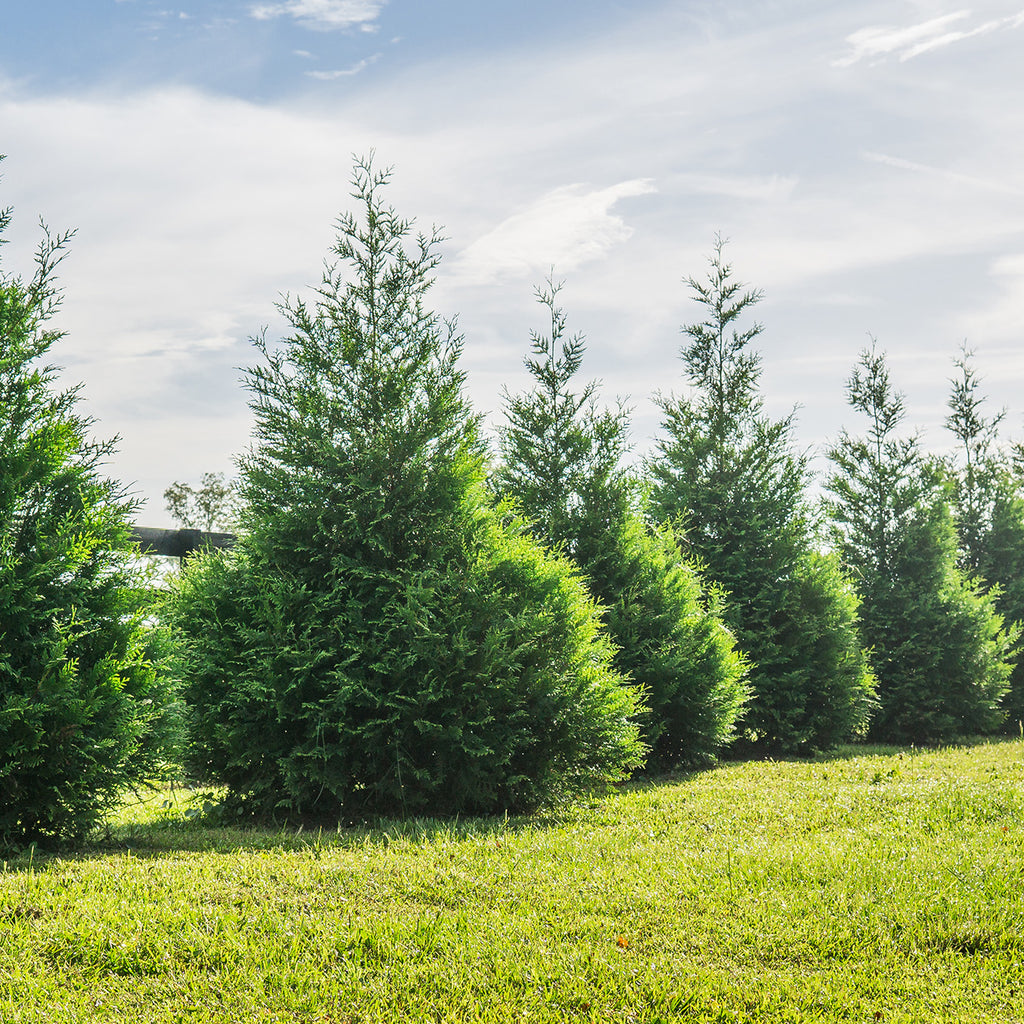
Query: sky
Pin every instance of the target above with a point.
(864, 160)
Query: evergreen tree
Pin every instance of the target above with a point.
(561, 459)
(1003, 568)
(940, 651)
(83, 713)
(561, 456)
(381, 640)
(975, 474)
(988, 505)
(728, 474)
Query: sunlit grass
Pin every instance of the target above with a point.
(872, 886)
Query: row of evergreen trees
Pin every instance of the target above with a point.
(411, 625)
(870, 616)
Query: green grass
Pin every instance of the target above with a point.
(873, 886)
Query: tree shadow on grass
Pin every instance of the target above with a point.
(195, 822)
(192, 821)
(648, 781)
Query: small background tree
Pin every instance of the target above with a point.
(728, 475)
(83, 712)
(561, 459)
(939, 648)
(381, 640)
(210, 506)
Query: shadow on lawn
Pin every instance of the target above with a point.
(183, 819)
(198, 823)
(191, 821)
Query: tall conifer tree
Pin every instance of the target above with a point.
(728, 475)
(939, 649)
(988, 504)
(562, 460)
(381, 642)
(83, 712)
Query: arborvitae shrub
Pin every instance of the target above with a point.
(671, 640)
(730, 478)
(821, 683)
(939, 649)
(561, 461)
(987, 498)
(382, 640)
(83, 713)
(1003, 568)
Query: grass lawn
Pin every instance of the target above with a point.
(872, 886)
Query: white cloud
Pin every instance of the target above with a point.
(189, 228)
(775, 187)
(996, 317)
(1011, 265)
(955, 37)
(331, 76)
(878, 41)
(881, 40)
(191, 224)
(564, 229)
(940, 172)
(323, 15)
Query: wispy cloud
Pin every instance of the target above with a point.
(941, 172)
(331, 76)
(880, 41)
(739, 187)
(567, 227)
(323, 15)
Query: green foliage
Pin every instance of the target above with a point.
(671, 640)
(82, 710)
(383, 641)
(988, 503)
(561, 456)
(1003, 567)
(814, 669)
(448, 689)
(879, 481)
(940, 650)
(728, 474)
(561, 461)
(976, 476)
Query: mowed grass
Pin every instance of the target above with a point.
(874, 886)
